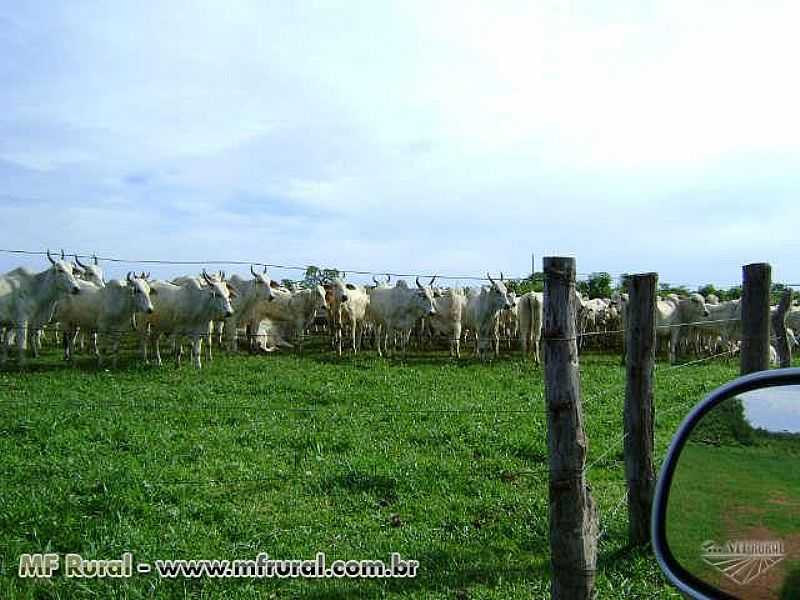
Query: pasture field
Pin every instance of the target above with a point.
(443, 461)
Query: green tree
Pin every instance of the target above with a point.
(316, 276)
(597, 285)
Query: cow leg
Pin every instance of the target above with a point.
(34, 335)
(65, 346)
(3, 346)
(209, 358)
(70, 335)
(22, 336)
(673, 345)
(157, 349)
(197, 349)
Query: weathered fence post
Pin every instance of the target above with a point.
(573, 515)
(756, 281)
(640, 340)
(779, 330)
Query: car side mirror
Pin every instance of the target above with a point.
(726, 513)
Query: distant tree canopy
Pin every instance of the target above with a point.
(316, 276)
(724, 425)
(534, 283)
(597, 285)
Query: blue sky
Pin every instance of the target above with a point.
(449, 137)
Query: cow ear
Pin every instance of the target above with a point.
(274, 284)
(350, 286)
(231, 290)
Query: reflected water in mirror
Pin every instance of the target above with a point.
(733, 515)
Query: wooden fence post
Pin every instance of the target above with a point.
(779, 330)
(640, 339)
(573, 514)
(756, 282)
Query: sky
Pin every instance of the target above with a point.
(774, 409)
(414, 136)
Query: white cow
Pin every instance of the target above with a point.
(722, 324)
(106, 310)
(27, 300)
(291, 313)
(673, 315)
(531, 316)
(248, 304)
(398, 309)
(447, 321)
(185, 309)
(508, 321)
(480, 314)
(348, 309)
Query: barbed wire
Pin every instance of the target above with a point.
(291, 267)
(258, 263)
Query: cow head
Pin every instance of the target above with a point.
(341, 290)
(698, 305)
(140, 290)
(499, 293)
(263, 284)
(219, 294)
(63, 275)
(424, 297)
(91, 272)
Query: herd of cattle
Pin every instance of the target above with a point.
(76, 297)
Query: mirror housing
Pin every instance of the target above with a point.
(737, 565)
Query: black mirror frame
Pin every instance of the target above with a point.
(677, 575)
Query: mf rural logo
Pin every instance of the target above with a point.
(743, 561)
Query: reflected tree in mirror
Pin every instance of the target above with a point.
(733, 514)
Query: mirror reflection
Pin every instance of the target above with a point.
(733, 517)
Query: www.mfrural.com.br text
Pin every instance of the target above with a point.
(261, 567)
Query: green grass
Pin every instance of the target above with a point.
(442, 461)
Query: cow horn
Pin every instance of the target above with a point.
(388, 278)
(375, 280)
(222, 275)
(253, 272)
(79, 263)
(206, 277)
(490, 277)
(62, 254)
(94, 257)
(432, 280)
(50, 258)
(129, 278)
(147, 275)
(501, 276)
(419, 285)
(265, 269)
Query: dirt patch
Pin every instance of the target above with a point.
(772, 579)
